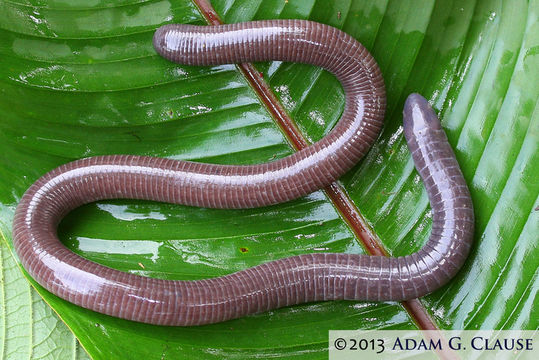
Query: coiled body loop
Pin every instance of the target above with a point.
(293, 280)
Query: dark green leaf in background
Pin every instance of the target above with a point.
(81, 79)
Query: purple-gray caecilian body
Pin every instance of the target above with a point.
(293, 280)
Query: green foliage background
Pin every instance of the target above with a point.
(80, 79)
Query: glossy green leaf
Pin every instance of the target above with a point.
(81, 79)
